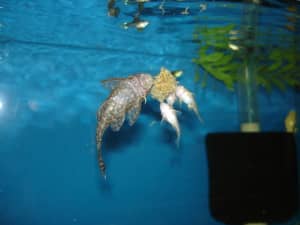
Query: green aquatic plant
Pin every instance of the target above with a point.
(222, 52)
(214, 56)
(280, 69)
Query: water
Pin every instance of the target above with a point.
(53, 55)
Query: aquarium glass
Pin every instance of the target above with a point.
(53, 57)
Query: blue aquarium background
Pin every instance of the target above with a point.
(53, 55)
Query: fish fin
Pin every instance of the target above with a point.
(101, 127)
(198, 115)
(112, 83)
(177, 141)
(102, 167)
(134, 112)
(193, 107)
(117, 124)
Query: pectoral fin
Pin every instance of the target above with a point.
(117, 123)
(112, 83)
(134, 112)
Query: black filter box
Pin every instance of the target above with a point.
(252, 177)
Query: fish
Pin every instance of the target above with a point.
(169, 114)
(137, 23)
(125, 100)
(203, 7)
(162, 7)
(233, 47)
(186, 97)
(185, 11)
(112, 10)
(126, 2)
(171, 99)
(177, 73)
(291, 122)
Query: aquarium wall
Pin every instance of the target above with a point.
(53, 57)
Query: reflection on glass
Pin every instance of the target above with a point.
(1, 105)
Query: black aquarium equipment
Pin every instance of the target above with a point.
(252, 174)
(252, 177)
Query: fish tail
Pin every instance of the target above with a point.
(178, 135)
(194, 108)
(99, 133)
(199, 116)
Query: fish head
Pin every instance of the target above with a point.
(165, 109)
(146, 81)
(169, 114)
(180, 90)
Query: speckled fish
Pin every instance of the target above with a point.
(125, 99)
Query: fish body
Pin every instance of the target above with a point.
(137, 23)
(169, 114)
(140, 25)
(125, 100)
(186, 97)
(171, 99)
